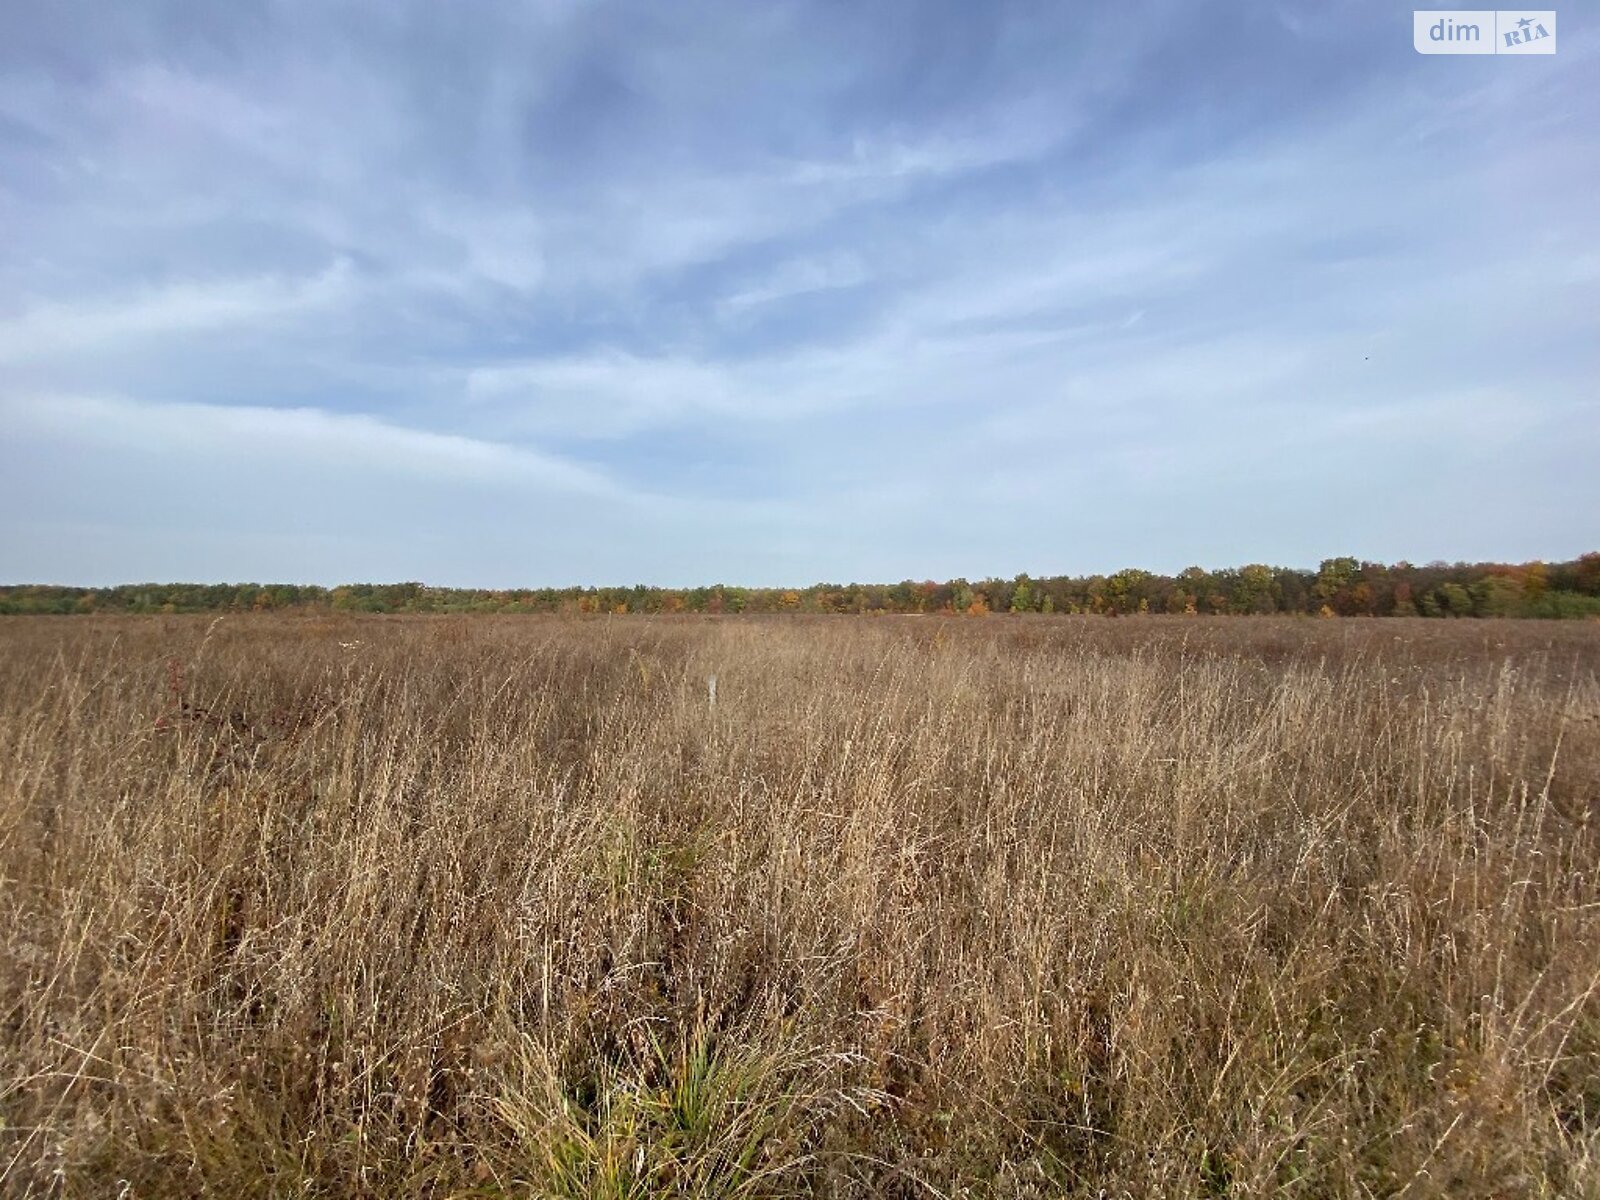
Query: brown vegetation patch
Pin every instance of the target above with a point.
(1026, 907)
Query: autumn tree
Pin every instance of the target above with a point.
(1334, 579)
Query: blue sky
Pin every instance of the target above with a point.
(547, 293)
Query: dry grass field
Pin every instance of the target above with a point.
(305, 906)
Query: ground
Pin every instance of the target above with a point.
(328, 906)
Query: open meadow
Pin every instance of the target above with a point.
(1040, 906)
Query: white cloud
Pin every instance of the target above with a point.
(55, 329)
(296, 437)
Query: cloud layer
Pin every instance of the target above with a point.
(552, 293)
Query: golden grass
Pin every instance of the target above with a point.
(920, 907)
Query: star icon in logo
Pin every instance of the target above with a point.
(1524, 23)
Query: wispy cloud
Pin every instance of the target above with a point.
(185, 309)
(796, 277)
(335, 441)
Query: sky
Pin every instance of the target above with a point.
(523, 294)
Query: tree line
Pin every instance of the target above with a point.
(1344, 587)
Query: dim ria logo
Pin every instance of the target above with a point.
(1484, 31)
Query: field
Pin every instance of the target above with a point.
(920, 907)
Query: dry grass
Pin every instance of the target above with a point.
(503, 907)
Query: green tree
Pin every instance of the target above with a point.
(1254, 592)
(1455, 599)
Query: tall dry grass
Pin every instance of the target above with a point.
(504, 907)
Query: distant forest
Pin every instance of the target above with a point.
(1343, 587)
